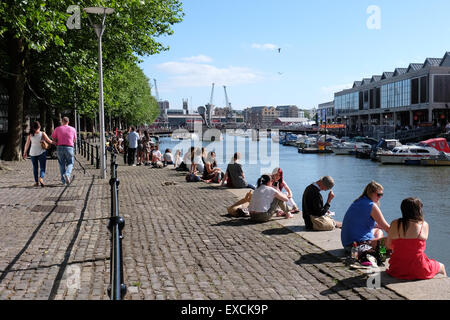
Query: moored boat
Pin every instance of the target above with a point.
(409, 154)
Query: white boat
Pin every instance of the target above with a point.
(409, 154)
(349, 148)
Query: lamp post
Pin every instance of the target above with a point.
(345, 119)
(99, 29)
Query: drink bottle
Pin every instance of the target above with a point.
(354, 252)
(382, 251)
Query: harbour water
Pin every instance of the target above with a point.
(351, 175)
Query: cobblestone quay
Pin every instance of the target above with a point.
(178, 243)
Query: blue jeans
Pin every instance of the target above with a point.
(65, 161)
(39, 161)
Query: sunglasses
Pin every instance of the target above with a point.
(380, 194)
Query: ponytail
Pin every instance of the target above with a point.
(264, 180)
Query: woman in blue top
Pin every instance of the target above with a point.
(363, 221)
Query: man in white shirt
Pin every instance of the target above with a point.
(132, 138)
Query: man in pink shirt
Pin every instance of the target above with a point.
(65, 137)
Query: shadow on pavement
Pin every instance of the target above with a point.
(235, 223)
(317, 258)
(277, 231)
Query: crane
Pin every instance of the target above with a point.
(156, 91)
(212, 94)
(229, 113)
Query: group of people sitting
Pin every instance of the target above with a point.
(363, 226)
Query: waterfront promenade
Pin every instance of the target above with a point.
(179, 243)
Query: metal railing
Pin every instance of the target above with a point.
(86, 149)
(117, 289)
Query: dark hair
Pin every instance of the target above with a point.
(167, 151)
(146, 134)
(35, 127)
(411, 211)
(265, 179)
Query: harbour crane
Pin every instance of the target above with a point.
(228, 110)
(156, 91)
(212, 94)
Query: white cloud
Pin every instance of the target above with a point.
(190, 74)
(198, 59)
(266, 46)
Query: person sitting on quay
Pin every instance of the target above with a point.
(168, 157)
(315, 213)
(407, 238)
(185, 165)
(234, 176)
(197, 165)
(363, 222)
(265, 200)
(157, 157)
(178, 159)
(279, 183)
(212, 173)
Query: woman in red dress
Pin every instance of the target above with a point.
(407, 238)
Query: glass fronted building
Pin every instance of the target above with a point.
(413, 96)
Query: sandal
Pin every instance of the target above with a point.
(41, 181)
(295, 210)
(280, 213)
(289, 215)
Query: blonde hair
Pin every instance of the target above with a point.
(372, 187)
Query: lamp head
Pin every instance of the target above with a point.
(98, 10)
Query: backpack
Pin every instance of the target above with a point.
(190, 177)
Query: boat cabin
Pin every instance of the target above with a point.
(439, 144)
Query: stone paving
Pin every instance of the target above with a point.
(178, 243)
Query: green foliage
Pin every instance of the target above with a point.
(127, 94)
(62, 64)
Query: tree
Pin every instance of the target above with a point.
(38, 48)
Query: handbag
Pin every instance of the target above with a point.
(44, 145)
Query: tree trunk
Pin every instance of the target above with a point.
(16, 89)
(43, 115)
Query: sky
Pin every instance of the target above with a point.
(291, 52)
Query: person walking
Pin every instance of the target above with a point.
(65, 137)
(133, 139)
(37, 153)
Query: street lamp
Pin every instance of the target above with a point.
(99, 29)
(345, 119)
